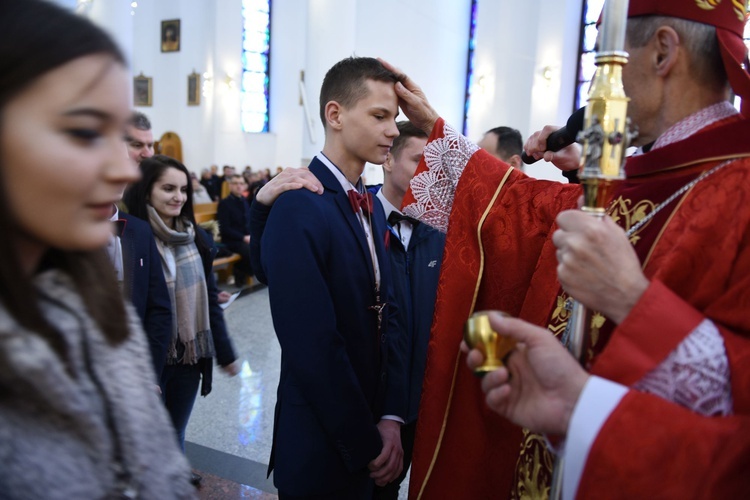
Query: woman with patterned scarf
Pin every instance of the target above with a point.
(163, 197)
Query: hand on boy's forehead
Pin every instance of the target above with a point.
(382, 95)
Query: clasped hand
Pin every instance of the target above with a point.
(388, 465)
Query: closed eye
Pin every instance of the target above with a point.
(84, 134)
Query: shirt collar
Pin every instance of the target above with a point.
(695, 122)
(116, 215)
(387, 205)
(345, 183)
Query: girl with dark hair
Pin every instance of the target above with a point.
(163, 197)
(78, 417)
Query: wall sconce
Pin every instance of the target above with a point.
(550, 74)
(207, 86)
(484, 84)
(230, 83)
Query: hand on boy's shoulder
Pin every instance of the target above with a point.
(290, 179)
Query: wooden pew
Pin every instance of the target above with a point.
(205, 211)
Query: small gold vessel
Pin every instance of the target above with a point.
(478, 334)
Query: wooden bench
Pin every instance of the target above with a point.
(223, 266)
(205, 212)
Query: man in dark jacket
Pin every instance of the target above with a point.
(137, 263)
(415, 251)
(233, 214)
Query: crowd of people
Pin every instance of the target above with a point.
(370, 286)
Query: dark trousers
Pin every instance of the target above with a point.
(358, 490)
(390, 490)
(179, 388)
(243, 268)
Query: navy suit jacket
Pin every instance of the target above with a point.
(338, 375)
(144, 285)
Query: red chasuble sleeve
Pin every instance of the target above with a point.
(650, 448)
(699, 269)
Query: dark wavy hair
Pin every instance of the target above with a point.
(137, 196)
(37, 37)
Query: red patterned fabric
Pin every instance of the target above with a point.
(478, 441)
(649, 448)
(697, 256)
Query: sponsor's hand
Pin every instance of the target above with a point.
(289, 179)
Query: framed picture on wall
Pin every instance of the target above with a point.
(142, 91)
(170, 35)
(194, 89)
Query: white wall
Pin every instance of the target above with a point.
(428, 39)
(515, 42)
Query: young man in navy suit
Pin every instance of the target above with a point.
(341, 397)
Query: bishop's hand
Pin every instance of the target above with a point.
(539, 387)
(412, 100)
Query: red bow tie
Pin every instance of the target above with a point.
(363, 201)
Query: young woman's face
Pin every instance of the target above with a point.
(63, 157)
(169, 194)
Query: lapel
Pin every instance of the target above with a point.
(379, 228)
(127, 241)
(341, 199)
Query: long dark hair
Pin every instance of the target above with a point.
(37, 37)
(138, 194)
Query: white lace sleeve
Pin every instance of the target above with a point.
(435, 187)
(696, 374)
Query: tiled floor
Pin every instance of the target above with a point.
(230, 431)
(217, 488)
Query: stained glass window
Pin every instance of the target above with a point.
(256, 49)
(470, 63)
(586, 66)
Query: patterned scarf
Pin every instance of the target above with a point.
(186, 280)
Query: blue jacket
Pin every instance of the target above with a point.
(338, 375)
(144, 285)
(415, 275)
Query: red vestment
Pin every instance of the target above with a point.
(649, 448)
(499, 255)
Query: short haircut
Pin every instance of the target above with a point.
(234, 177)
(509, 142)
(139, 121)
(699, 40)
(345, 82)
(406, 129)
